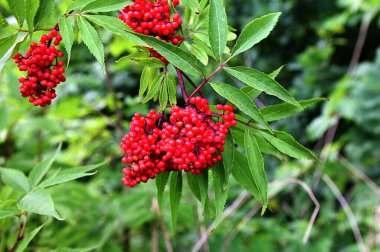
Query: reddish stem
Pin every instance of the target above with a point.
(182, 85)
(207, 79)
(192, 83)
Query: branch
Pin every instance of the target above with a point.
(350, 215)
(20, 232)
(205, 81)
(182, 85)
(119, 114)
(192, 83)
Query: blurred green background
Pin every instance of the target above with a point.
(330, 48)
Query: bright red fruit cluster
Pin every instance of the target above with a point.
(153, 18)
(42, 75)
(190, 141)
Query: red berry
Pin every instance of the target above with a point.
(189, 141)
(42, 76)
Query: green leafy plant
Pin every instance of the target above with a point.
(168, 62)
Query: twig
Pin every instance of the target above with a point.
(119, 114)
(243, 197)
(243, 222)
(205, 81)
(360, 41)
(203, 230)
(182, 85)
(20, 232)
(350, 215)
(192, 83)
(362, 176)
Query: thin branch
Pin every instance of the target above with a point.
(20, 232)
(362, 176)
(360, 42)
(205, 81)
(192, 84)
(111, 90)
(350, 215)
(242, 223)
(182, 85)
(203, 230)
(243, 197)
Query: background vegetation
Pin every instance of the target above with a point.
(329, 48)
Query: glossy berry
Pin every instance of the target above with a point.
(153, 18)
(190, 141)
(44, 70)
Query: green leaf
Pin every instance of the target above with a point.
(276, 72)
(199, 186)
(256, 165)
(146, 79)
(44, 13)
(105, 6)
(91, 39)
(67, 175)
(40, 202)
(254, 32)
(8, 209)
(142, 58)
(163, 97)
(29, 236)
(198, 52)
(228, 158)
(13, 48)
(39, 171)
(201, 44)
(193, 184)
(172, 88)
(240, 100)
(15, 179)
(175, 55)
(262, 82)
(161, 181)
(218, 28)
(175, 195)
(79, 4)
(191, 4)
(66, 30)
(31, 7)
(243, 175)
(251, 92)
(155, 88)
(117, 27)
(18, 9)
(221, 187)
(284, 110)
(3, 22)
(286, 144)
(6, 43)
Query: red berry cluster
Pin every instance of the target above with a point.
(41, 79)
(190, 141)
(153, 18)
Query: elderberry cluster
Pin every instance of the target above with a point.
(153, 18)
(42, 75)
(189, 141)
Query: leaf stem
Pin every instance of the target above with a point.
(182, 85)
(192, 83)
(20, 232)
(205, 81)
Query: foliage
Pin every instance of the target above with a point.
(94, 212)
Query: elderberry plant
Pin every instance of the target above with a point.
(186, 136)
